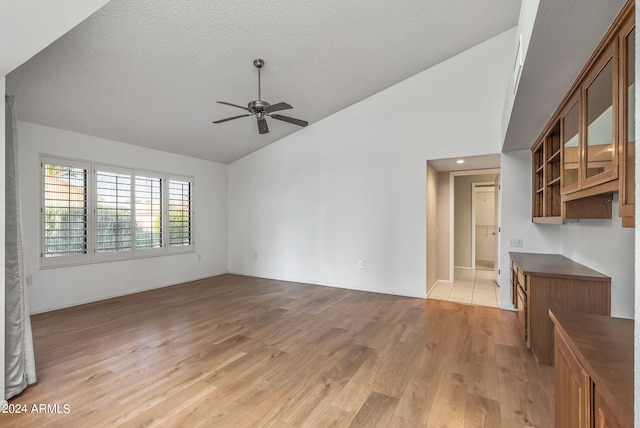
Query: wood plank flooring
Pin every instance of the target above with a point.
(234, 351)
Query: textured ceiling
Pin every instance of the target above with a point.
(18, 19)
(149, 72)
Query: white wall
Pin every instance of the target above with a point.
(353, 186)
(526, 20)
(603, 245)
(515, 218)
(444, 226)
(67, 286)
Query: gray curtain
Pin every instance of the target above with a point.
(20, 370)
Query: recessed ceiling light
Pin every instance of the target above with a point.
(460, 161)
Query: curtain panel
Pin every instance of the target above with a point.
(19, 356)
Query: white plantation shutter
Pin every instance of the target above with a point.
(96, 213)
(65, 219)
(113, 213)
(148, 213)
(180, 214)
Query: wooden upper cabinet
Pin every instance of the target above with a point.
(547, 206)
(600, 125)
(595, 129)
(627, 128)
(571, 151)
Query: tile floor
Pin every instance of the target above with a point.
(470, 286)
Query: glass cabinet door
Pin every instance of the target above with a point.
(628, 125)
(600, 155)
(630, 190)
(570, 130)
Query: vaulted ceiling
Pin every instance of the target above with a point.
(149, 73)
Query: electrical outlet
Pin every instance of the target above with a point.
(516, 242)
(361, 264)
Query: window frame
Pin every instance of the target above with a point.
(157, 251)
(116, 254)
(70, 259)
(178, 249)
(92, 255)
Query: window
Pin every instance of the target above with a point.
(179, 213)
(134, 213)
(113, 213)
(148, 213)
(64, 212)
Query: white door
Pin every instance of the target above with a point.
(484, 225)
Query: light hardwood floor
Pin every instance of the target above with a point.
(234, 351)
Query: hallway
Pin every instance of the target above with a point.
(470, 286)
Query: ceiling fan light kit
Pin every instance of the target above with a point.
(261, 109)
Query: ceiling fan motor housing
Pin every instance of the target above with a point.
(258, 106)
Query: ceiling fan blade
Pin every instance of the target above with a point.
(290, 119)
(262, 125)
(278, 107)
(231, 118)
(233, 105)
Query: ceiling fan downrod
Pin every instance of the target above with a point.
(259, 63)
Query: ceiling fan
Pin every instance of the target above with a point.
(261, 109)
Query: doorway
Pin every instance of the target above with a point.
(466, 233)
(483, 229)
(461, 275)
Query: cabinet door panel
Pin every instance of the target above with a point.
(604, 416)
(522, 314)
(600, 133)
(627, 118)
(573, 388)
(570, 130)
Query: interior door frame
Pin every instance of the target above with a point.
(474, 186)
(452, 184)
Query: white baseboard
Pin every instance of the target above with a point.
(114, 295)
(337, 285)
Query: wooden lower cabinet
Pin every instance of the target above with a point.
(593, 371)
(550, 281)
(573, 389)
(522, 312)
(604, 417)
